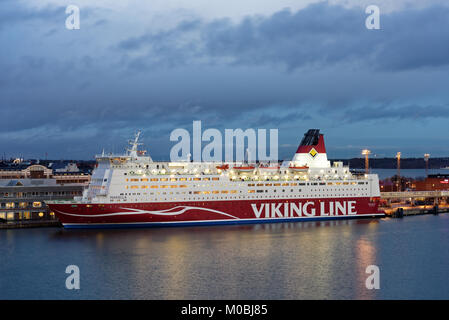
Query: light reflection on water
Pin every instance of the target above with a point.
(309, 260)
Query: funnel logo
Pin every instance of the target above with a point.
(313, 152)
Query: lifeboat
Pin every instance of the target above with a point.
(244, 168)
(223, 167)
(269, 169)
(299, 169)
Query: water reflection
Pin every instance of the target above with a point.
(308, 260)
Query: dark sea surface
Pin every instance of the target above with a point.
(409, 173)
(304, 260)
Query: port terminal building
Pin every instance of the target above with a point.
(24, 188)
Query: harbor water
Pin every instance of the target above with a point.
(305, 260)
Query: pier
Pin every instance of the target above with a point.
(406, 203)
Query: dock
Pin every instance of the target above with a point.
(30, 224)
(407, 203)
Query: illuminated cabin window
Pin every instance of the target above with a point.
(330, 184)
(215, 192)
(41, 214)
(206, 192)
(224, 191)
(52, 214)
(134, 180)
(9, 205)
(37, 204)
(285, 184)
(144, 187)
(134, 187)
(153, 187)
(173, 186)
(163, 187)
(250, 191)
(233, 191)
(144, 180)
(206, 179)
(215, 179)
(154, 179)
(260, 185)
(338, 183)
(10, 216)
(2, 215)
(277, 184)
(22, 205)
(182, 179)
(164, 179)
(126, 187)
(196, 192)
(26, 215)
(345, 183)
(126, 179)
(197, 179)
(251, 185)
(293, 184)
(183, 186)
(268, 184)
(353, 182)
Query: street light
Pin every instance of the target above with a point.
(426, 159)
(398, 156)
(366, 153)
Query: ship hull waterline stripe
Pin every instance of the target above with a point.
(213, 222)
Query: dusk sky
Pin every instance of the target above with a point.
(158, 65)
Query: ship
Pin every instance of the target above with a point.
(131, 190)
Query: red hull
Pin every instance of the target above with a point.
(208, 212)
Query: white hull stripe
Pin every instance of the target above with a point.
(138, 211)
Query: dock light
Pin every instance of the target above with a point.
(398, 156)
(366, 153)
(426, 159)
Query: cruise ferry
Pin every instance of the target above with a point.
(132, 190)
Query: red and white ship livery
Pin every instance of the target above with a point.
(132, 190)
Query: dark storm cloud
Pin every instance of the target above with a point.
(318, 35)
(12, 12)
(413, 112)
(76, 91)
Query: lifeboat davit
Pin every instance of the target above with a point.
(299, 169)
(223, 167)
(244, 168)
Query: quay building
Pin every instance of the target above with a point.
(24, 188)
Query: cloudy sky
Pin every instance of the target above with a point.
(157, 65)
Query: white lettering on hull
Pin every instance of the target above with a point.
(307, 209)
